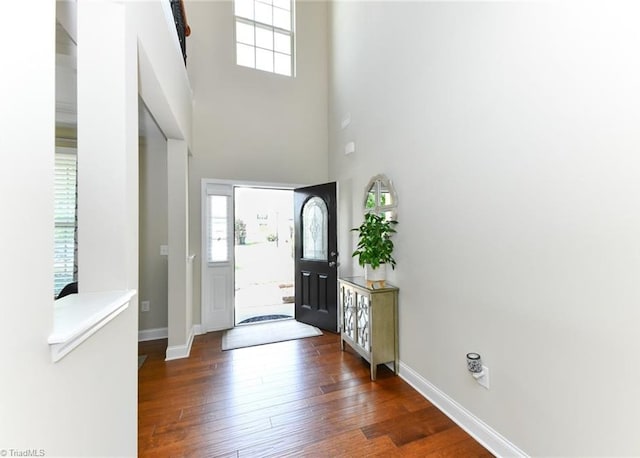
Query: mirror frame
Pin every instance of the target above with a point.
(376, 184)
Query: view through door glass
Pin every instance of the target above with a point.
(264, 250)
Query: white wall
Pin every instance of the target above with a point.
(85, 404)
(27, 300)
(511, 132)
(164, 84)
(154, 222)
(181, 330)
(64, 408)
(166, 91)
(252, 125)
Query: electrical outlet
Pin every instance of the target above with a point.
(145, 306)
(483, 377)
(164, 250)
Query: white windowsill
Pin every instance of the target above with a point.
(78, 316)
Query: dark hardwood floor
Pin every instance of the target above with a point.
(290, 399)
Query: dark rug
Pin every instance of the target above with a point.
(256, 319)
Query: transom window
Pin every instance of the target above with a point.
(264, 35)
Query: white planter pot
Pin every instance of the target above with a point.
(378, 274)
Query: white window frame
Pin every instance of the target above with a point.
(257, 24)
(217, 277)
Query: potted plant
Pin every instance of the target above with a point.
(375, 247)
(241, 232)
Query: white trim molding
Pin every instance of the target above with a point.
(181, 351)
(480, 431)
(78, 316)
(145, 335)
(198, 330)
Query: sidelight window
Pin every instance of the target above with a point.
(218, 239)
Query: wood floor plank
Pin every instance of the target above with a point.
(302, 398)
(467, 448)
(410, 427)
(348, 444)
(434, 443)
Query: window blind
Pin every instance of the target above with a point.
(65, 218)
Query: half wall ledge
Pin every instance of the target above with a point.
(78, 316)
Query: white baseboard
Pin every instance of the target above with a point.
(152, 334)
(480, 431)
(198, 329)
(180, 351)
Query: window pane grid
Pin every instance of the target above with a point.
(264, 38)
(241, 22)
(245, 33)
(263, 35)
(283, 4)
(282, 19)
(244, 8)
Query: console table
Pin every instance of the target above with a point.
(370, 321)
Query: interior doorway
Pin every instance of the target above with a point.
(264, 254)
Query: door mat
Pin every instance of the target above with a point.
(255, 319)
(265, 333)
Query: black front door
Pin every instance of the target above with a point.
(316, 256)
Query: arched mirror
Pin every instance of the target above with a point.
(380, 197)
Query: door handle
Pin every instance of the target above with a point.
(333, 254)
(333, 264)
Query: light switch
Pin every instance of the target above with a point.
(349, 148)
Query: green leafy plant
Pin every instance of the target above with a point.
(241, 232)
(375, 246)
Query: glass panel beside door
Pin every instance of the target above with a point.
(218, 229)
